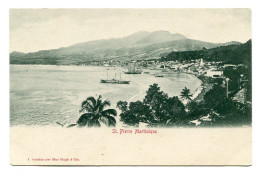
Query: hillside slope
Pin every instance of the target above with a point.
(235, 54)
(141, 45)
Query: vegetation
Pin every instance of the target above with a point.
(63, 124)
(237, 77)
(219, 110)
(157, 109)
(95, 113)
(139, 46)
(234, 54)
(185, 94)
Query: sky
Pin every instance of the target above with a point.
(42, 29)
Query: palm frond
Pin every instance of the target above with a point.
(59, 123)
(71, 125)
(90, 99)
(98, 102)
(84, 119)
(106, 103)
(108, 120)
(185, 93)
(94, 123)
(87, 106)
(104, 120)
(109, 112)
(112, 121)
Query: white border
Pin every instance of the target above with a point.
(4, 73)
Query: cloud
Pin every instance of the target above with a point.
(39, 29)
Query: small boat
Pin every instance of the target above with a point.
(158, 75)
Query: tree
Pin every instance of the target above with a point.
(154, 93)
(122, 105)
(164, 110)
(141, 111)
(156, 100)
(157, 109)
(233, 118)
(174, 112)
(96, 113)
(224, 111)
(134, 113)
(129, 118)
(185, 94)
(195, 110)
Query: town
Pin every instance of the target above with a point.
(209, 72)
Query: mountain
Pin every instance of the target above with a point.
(140, 45)
(158, 37)
(233, 54)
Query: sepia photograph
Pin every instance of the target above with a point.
(88, 84)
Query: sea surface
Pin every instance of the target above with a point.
(46, 94)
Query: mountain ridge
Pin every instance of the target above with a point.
(140, 45)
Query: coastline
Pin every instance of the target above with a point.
(205, 87)
(199, 91)
(141, 83)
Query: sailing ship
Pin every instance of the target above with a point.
(164, 68)
(133, 70)
(114, 80)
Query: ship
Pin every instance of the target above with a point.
(133, 70)
(159, 75)
(114, 80)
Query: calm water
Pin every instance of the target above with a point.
(43, 94)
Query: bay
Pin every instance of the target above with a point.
(46, 94)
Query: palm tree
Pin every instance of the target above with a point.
(95, 113)
(185, 94)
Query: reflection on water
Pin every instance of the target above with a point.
(44, 94)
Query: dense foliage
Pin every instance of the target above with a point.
(235, 54)
(157, 109)
(220, 110)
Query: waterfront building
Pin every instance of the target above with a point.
(214, 73)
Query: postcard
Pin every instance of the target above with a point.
(130, 87)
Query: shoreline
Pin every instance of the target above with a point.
(199, 89)
(140, 95)
(205, 87)
(197, 92)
